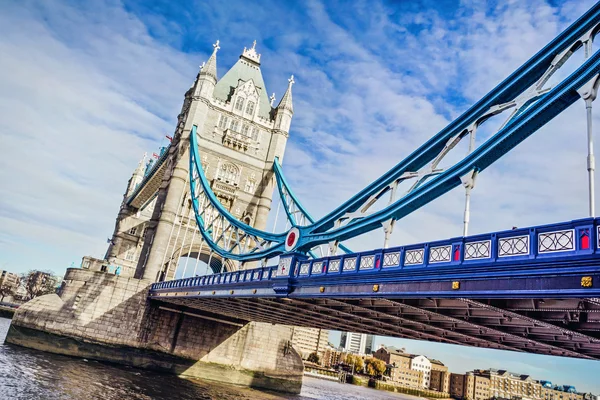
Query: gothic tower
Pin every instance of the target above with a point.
(240, 134)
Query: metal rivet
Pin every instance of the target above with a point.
(586, 281)
(214, 292)
(322, 289)
(455, 285)
(254, 291)
(231, 292)
(199, 292)
(376, 288)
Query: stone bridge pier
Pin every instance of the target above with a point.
(108, 317)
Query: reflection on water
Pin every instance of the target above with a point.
(30, 374)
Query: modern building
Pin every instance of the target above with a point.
(503, 384)
(414, 370)
(440, 377)
(422, 364)
(356, 343)
(309, 340)
(9, 279)
(331, 357)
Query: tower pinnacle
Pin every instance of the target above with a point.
(286, 100)
(210, 67)
(251, 54)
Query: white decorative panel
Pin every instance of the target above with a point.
(513, 246)
(317, 267)
(477, 250)
(367, 262)
(284, 266)
(439, 254)
(255, 275)
(391, 259)
(304, 268)
(349, 264)
(334, 266)
(412, 257)
(551, 242)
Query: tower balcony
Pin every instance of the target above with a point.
(236, 140)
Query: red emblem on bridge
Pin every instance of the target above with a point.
(291, 240)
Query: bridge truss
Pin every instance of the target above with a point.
(525, 100)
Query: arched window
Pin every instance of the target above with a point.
(239, 104)
(228, 173)
(255, 134)
(223, 122)
(245, 130)
(235, 125)
(250, 108)
(250, 186)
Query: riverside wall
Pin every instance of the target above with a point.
(108, 317)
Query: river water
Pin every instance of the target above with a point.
(27, 374)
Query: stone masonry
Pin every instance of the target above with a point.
(108, 317)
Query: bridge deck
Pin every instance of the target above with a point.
(535, 290)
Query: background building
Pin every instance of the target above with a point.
(356, 343)
(503, 384)
(440, 377)
(309, 340)
(9, 279)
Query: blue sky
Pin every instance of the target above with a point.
(87, 87)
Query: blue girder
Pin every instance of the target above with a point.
(527, 118)
(285, 191)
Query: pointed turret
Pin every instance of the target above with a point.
(137, 176)
(207, 78)
(285, 109)
(286, 100)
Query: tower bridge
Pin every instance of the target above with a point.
(207, 198)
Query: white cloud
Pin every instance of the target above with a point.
(85, 91)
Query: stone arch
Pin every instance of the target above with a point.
(217, 264)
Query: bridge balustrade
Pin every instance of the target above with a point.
(561, 241)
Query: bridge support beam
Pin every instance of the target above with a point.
(108, 317)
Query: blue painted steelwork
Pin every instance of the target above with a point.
(285, 191)
(164, 152)
(539, 108)
(200, 189)
(556, 255)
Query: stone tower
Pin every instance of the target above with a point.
(240, 134)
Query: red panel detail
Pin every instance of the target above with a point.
(585, 242)
(456, 253)
(291, 238)
(377, 263)
(324, 266)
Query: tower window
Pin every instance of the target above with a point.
(223, 122)
(228, 173)
(250, 108)
(250, 186)
(239, 104)
(133, 231)
(255, 134)
(245, 130)
(130, 253)
(235, 125)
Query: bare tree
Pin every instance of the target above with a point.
(38, 283)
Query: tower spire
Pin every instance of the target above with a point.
(286, 100)
(210, 67)
(251, 54)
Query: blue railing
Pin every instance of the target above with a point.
(567, 240)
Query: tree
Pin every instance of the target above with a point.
(355, 361)
(313, 358)
(6, 290)
(374, 367)
(38, 283)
